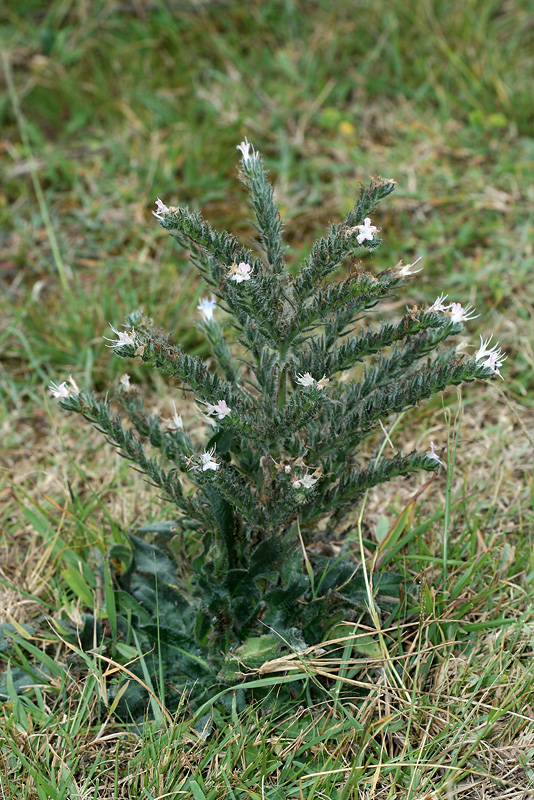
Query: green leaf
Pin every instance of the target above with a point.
(258, 649)
(77, 583)
(167, 526)
(151, 560)
(224, 515)
(197, 792)
(264, 557)
(109, 596)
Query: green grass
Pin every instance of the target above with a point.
(107, 105)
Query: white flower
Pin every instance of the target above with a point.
(492, 357)
(245, 149)
(495, 362)
(162, 210)
(208, 462)
(59, 391)
(124, 338)
(438, 305)
(433, 455)
(484, 351)
(207, 306)
(460, 314)
(367, 231)
(240, 272)
(307, 481)
(305, 380)
(295, 484)
(176, 422)
(64, 390)
(287, 469)
(407, 270)
(124, 382)
(220, 409)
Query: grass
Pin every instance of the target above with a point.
(107, 105)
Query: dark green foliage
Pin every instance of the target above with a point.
(286, 444)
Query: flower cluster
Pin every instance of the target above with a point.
(492, 358)
(455, 311)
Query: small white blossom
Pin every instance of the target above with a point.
(495, 362)
(220, 409)
(296, 484)
(245, 149)
(438, 304)
(162, 210)
(367, 231)
(287, 469)
(484, 351)
(433, 455)
(307, 481)
(407, 270)
(492, 357)
(125, 338)
(305, 380)
(59, 391)
(240, 272)
(64, 390)
(125, 384)
(176, 422)
(460, 314)
(208, 461)
(207, 306)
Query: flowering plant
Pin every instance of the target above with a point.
(298, 384)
